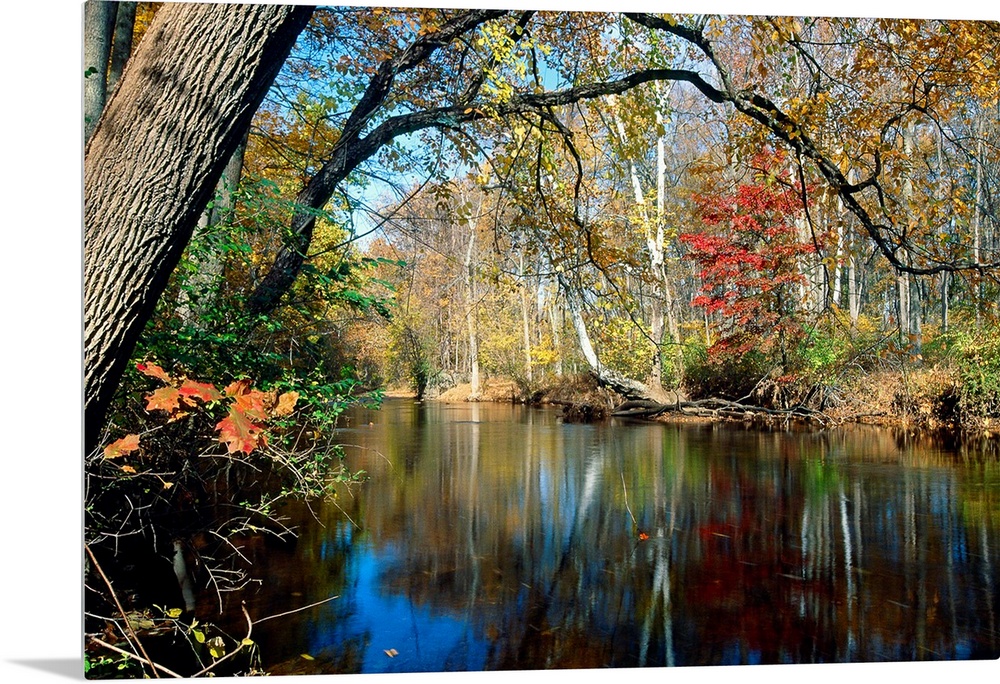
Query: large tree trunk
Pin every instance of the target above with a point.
(183, 105)
(98, 28)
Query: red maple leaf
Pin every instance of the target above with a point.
(238, 433)
(238, 387)
(125, 445)
(165, 398)
(253, 403)
(153, 371)
(199, 390)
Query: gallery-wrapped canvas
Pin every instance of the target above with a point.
(444, 339)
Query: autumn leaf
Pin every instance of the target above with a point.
(237, 432)
(125, 445)
(216, 647)
(128, 469)
(204, 391)
(165, 398)
(253, 404)
(286, 404)
(643, 536)
(237, 387)
(153, 371)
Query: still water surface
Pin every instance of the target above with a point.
(496, 537)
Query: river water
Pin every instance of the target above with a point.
(492, 536)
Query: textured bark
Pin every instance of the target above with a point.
(182, 107)
(98, 28)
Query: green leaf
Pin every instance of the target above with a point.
(216, 647)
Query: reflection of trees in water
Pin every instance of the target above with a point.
(762, 547)
(774, 550)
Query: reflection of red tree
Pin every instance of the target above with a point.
(745, 592)
(749, 258)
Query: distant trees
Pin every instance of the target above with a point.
(98, 34)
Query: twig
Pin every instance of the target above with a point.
(296, 610)
(155, 666)
(119, 606)
(625, 490)
(236, 650)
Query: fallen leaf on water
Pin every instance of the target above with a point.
(391, 652)
(307, 656)
(643, 536)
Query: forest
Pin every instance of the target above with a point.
(293, 210)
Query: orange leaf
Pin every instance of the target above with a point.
(199, 390)
(643, 536)
(253, 403)
(165, 398)
(238, 387)
(128, 469)
(238, 433)
(125, 445)
(152, 370)
(286, 403)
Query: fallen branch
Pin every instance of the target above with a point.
(718, 408)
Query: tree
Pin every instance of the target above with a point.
(158, 150)
(122, 47)
(749, 266)
(98, 30)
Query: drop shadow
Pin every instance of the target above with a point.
(71, 668)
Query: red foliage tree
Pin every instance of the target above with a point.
(750, 256)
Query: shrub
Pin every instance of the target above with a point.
(978, 360)
(726, 377)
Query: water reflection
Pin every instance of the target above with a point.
(495, 537)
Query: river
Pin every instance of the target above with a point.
(492, 536)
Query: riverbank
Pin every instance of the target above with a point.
(923, 399)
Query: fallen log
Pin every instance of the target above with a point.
(724, 409)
